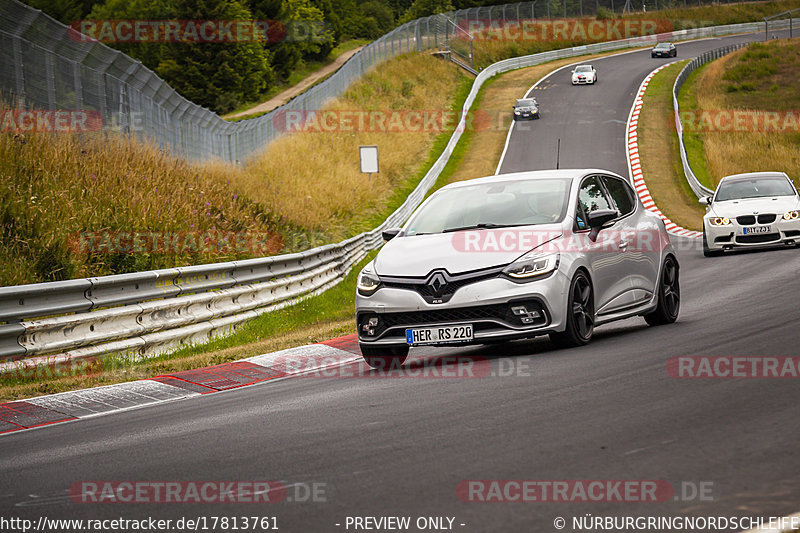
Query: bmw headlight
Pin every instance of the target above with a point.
(791, 215)
(533, 265)
(368, 281)
(719, 221)
(516, 112)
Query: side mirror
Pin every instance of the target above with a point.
(598, 219)
(705, 200)
(389, 234)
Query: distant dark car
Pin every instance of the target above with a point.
(664, 50)
(526, 108)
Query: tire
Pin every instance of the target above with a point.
(580, 314)
(669, 295)
(708, 252)
(382, 357)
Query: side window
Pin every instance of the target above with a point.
(592, 197)
(621, 194)
(580, 218)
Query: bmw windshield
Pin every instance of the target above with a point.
(754, 188)
(492, 205)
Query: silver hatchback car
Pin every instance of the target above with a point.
(514, 256)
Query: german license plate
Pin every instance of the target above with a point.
(756, 229)
(439, 334)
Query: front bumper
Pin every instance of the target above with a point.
(527, 115)
(583, 81)
(732, 236)
(484, 304)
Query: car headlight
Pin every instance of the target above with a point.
(719, 221)
(532, 265)
(368, 281)
(791, 215)
(516, 112)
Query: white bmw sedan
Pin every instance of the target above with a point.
(751, 210)
(553, 252)
(584, 74)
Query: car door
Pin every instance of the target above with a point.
(609, 274)
(638, 239)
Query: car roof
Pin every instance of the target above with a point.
(662, 45)
(754, 175)
(569, 173)
(584, 65)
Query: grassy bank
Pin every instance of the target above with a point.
(742, 112)
(305, 190)
(660, 154)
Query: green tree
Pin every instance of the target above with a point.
(424, 8)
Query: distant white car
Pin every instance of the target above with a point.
(584, 74)
(754, 209)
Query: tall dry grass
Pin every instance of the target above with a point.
(55, 186)
(305, 190)
(761, 78)
(313, 177)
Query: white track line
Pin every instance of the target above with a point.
(634, 164)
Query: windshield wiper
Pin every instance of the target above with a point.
(482, 225)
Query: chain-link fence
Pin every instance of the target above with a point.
(44, 66)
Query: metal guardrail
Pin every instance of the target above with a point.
(778, 16)
(145, 313)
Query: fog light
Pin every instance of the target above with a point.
(519, 310)
(372, 322)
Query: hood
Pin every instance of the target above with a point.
(460, 251)
(771, 204)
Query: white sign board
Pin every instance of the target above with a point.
(368, 156)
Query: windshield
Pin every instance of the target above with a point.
(662, 46)
(584, 68)
(528, 102)
(510, 203)
(753, 188)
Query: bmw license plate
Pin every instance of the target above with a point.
(756, 229)
(439, 334)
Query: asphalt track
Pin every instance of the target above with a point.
(401, 446)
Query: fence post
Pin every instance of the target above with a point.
(19, 71)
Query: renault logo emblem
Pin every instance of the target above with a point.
(437, 283)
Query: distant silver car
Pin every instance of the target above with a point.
(584, 74)
(526, 108)
(513, 256)
(751, 210)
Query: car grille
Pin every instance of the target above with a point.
(496, 312)
(454, 282)
(758, 238)
(748, 220)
